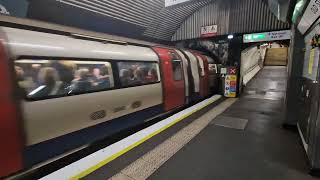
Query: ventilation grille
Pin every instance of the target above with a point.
(98, 115)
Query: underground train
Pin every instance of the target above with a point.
(59, 92)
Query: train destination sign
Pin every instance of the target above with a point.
(267, 36)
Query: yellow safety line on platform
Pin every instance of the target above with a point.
(118, 154)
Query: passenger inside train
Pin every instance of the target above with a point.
(50, 78)
(43, 78)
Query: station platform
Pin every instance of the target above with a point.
(228, 139)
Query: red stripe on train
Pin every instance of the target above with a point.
(11, 144)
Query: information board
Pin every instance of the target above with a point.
(267, 36)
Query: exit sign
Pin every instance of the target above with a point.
(267, 36)
(255, 37)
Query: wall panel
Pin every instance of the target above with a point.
(241, 16)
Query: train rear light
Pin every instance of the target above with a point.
(10, 139)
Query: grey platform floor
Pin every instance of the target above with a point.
(262, 151)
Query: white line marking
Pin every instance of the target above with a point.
(305, 145)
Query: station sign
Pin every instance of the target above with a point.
(174, 2)
(267, 36)
(209, 31)
(310, 15)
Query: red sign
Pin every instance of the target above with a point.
(209, 31)
(233, 71)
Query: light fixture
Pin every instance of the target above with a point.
(230, 36)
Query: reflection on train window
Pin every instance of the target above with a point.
(138, 73)
(41, 79)
(177, 69)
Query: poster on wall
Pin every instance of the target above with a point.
(209, 31)
(310, 15)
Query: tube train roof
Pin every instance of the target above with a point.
(22, 23)
(23, 42)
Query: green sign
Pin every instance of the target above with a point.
(255, 37)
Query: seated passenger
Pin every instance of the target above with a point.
(125, 77)
(138, 77)
(20, 79)
(96, 74)
(49, 83)
(104, 78)
(152, 75)
(81, 83)
(35, 69)
(65, 70)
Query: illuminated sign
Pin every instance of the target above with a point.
(254, 37)
(174, 2)
(267, 36)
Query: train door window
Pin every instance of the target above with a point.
(213, 69)
(42, 79)
(138, 73)
(177, 69)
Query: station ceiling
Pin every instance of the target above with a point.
(150, 19)
(158, 21)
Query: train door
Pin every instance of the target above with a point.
(11, 149)
(194, 76)
(172, 77)
(213, 76)
(204, 76)
(186, 76)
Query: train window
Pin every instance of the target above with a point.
(177, 69)
(138, 73)
(213, 69)
(42, 79)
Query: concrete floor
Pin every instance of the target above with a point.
(263, 150)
